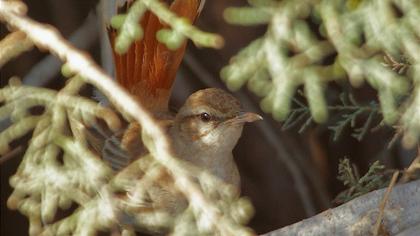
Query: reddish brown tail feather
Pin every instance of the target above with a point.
(148, 69)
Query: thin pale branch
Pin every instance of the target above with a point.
(11, 154)
(13, 45)
(49, 67)
(45, 37)
(383, 203)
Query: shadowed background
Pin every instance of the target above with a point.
(288, 176)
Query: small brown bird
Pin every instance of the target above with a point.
(207, 128)
(203, 132)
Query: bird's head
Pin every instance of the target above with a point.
(211, 118)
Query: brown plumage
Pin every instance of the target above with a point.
(203, 132)
(147, 70)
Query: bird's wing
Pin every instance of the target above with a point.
(148, 68)
(119, 149)
(116, 149)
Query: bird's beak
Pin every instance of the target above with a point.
(243, 117)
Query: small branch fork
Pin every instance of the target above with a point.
(46, 37)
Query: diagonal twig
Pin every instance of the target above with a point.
(47, 68)
(11, 154)
(383, 203)
(45, 37)
(13, 45)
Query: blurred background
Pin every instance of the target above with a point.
(288, 176)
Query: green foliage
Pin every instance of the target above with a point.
(181, 29)
(356, 185)
(48, 180)
(353, 110)
(128, 28)
(302, 38)
(248, 15)
(59, 169)
(349, 111)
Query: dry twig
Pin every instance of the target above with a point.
(383, 203)
(11, 154)
(48, 67)
(13, 45)
(46, 37)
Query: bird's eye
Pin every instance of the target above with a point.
(205, 117)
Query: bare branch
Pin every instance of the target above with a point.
(46, 69)
(48, 38)
(357, 216)
(383, 203)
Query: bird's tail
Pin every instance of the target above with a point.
(148, 69)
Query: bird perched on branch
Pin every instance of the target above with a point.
(205, 129)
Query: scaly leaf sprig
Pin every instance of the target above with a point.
(129, 29)
(357, 186)
(303, 36)
(59, 169)
(349, 111)
(46, 179)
